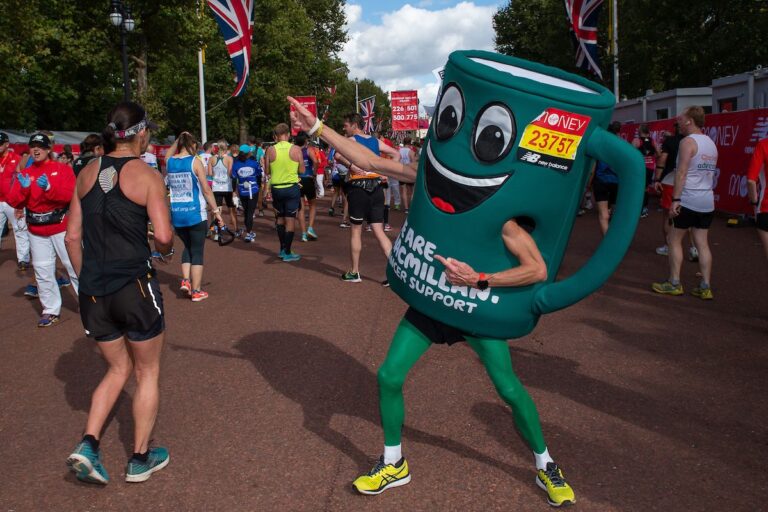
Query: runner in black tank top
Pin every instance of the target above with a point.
(121, 306)
(115, 246)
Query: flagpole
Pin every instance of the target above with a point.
(200, 74)
(615, 44)
(357, 98)
(201, 80)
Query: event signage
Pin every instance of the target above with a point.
(405, 110)
(735, 134)
(308, 102)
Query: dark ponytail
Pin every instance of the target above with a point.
(188, 142)
(124, 115)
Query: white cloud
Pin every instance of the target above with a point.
(402, 50)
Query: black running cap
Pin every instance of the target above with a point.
(40, 140)
(3, 138)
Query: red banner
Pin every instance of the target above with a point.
(308, 102)
(405, 111)
(735, 134)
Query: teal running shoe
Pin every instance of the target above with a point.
(85, 463)
(311, 234)
(281, 255)
(138, 471)
(291, 257)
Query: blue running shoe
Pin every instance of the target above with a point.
(63, 282)
(47, 320)
(311, 233)
(281, 254)
(291, 257)
(85, 463)
(31, 291)
(138, 471)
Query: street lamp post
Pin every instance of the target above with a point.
(120, 16)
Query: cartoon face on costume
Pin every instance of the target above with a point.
(493, 134)
(509, 139)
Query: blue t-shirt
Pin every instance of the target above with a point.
(248, 176)
(187, 200)
(605, 174)
(371, 143)
(309, 171)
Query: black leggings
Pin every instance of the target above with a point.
(194, 242)
(249, 208)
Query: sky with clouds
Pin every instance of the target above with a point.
(398, 44)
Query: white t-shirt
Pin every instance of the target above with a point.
(221, 179)
(697, 191)
(405, 155)
(150, 159)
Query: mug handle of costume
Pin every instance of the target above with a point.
(628, 164)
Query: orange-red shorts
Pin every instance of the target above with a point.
(666, 195)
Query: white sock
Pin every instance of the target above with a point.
(542, 459)
(392, 454)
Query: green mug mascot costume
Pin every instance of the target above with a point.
(504, 167)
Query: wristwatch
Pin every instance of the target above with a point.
(482, 281)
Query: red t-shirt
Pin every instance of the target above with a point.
(758, 168)
(322, 161)
(8, 163)
(61, 178)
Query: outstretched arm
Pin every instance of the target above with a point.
(532, 268)
(356, 153)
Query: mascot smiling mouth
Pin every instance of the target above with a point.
(451, 192)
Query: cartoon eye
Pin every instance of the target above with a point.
(494, 133)
(450, 113)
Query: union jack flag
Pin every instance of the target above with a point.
(582, 18)
(366, 111)
(235, 19)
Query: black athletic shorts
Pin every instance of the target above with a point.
(761, 220)
(605, 191)
(308, 188)
(434, 330)
(286, 201)
(364, 205)
(224, 198)
(134, 311)
(692, 219)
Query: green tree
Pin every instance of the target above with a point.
(62, 67)
(343, 102)
(663, 44)
(535, 30)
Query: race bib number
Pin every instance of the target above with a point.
(181, 187)
(552, 139)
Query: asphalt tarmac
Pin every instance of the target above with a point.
(269, 399)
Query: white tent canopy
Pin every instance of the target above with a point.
(74, 138)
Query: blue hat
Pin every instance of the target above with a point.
(245, 148)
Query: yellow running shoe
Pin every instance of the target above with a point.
(703, 293)
(558, 491)
(383, 476)
(667, 288)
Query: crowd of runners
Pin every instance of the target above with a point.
(98, 214)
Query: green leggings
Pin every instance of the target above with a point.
(408, 346)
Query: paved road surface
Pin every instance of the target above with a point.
(269, 391)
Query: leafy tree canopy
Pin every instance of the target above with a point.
(62, 67)
(663, 44)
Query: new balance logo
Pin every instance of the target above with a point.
(530, 157)
(761, 129)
